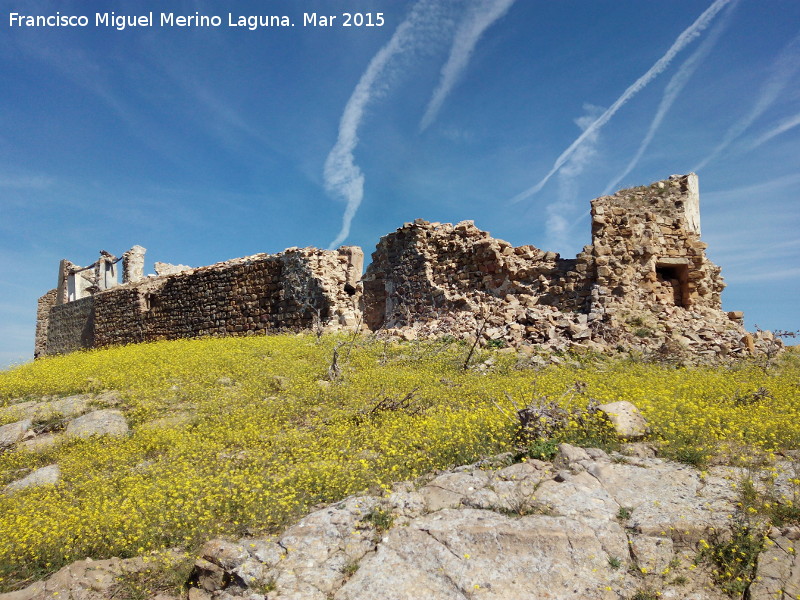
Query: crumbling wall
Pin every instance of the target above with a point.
(296, 289)
(71, 326)
(647, 248)
(43, 306)
(643, 281)
(458, 278)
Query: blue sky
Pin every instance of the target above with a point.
(209, 143)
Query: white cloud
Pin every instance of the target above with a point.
(785, 67)
(780, 128)
(671, 93)
(558, 225)
(683, 40)
(343, 177)
(479, 18)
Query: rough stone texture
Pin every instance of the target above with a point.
(295, 289)
(628, 422)
(778, 571)
(99, 422)
(47, 406)
(43, 306)
(49, 475)
(71, 326)
(40, 443)
(12, 433)
(82, 580)
(527, 530)
(30, 424)
(643, 283)
(163, 268)
(133, 265)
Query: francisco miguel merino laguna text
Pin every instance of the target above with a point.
(251, 22)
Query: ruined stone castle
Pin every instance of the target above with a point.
(644, 281)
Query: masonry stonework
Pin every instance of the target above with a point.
(43, 307)
(71, 326)
(644, 281)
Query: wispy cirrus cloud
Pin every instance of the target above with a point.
(683, 40)
(557, 225)
(478, 19)
(673, 90)
(25, 182)
(428, 23)
(783, 69)
(343, 177)
(780, 128)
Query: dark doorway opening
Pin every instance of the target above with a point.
(676, 276)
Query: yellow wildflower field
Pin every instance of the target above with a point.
(239, 436)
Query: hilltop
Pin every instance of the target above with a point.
(239, 438)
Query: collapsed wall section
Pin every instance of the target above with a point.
(644, 281)
(453, 278)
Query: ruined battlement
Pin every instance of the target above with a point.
(298, 288)
(644, 280)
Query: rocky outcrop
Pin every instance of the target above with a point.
(45, 476)
(108, 422)
(586, 525)
(48, 421)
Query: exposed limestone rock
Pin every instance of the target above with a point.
(628, 422)
(49, 475)
(588, 525)
(40, 443)
(85, 580)
(99, 422)
(163, 268)
(43, 419)
(524, 530)
(778, 571)
(13, 432)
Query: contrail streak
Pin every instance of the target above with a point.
(343, 177)
(467, 36)
(783, 69)
(672, 91)
(557, 225)
(782, 127)
(684, 39)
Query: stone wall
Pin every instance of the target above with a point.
(647, 248)
(455, 277)
(43, 306)
(295, 289)
(643, 282)
(71, 326)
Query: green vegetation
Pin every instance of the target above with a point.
(734, 558)
(242, 435)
